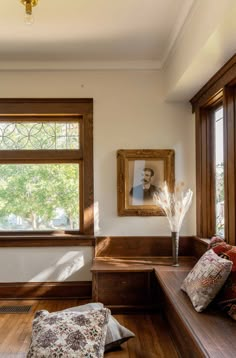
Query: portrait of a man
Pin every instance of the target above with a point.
(145, 177)
(144, 192)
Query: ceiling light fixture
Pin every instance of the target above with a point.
(29, 18)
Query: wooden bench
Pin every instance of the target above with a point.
(207, 334)
(125, 281)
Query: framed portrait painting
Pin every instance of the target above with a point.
(140, 173)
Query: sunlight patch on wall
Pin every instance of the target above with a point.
(62, 269)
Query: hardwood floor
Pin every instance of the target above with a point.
(152, 338)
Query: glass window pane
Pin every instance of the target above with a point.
(219, 171)
(39, 135)
(39, 197)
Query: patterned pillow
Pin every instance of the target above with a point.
(69, 334)
(206, 279)
(116, 333)
(226, 298)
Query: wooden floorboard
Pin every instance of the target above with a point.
(152, 336)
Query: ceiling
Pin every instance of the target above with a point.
(105, 32)
(187, 40)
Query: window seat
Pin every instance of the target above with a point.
(130, 274)
(208, 334)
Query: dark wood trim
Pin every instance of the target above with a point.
(199, 153)
(59, 117)
(205, 171)
(49, 108)
(224, 76)
(230, 162)
(88, 190)
(46, 290)
(76, 106)
(42, 156)
(205, 167)
(44, 241)
(138, 246)
(221, 88)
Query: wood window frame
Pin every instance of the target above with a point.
(47, 109)
(221, 88)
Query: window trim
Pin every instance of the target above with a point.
(220, 88)
(205, 173)
(48, 108)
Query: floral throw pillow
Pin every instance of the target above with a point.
(116, 333)
(206, 278)
(69, 334)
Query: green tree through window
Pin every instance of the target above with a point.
(39, 197)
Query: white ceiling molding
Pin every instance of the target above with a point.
(185, 14)
(74, 66)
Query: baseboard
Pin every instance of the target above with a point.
(46, 290)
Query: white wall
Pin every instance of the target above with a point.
(30, 264)
(130, 112)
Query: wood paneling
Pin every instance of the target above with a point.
(138, 246)
(39, 290)
(123, 289)
(129, 284)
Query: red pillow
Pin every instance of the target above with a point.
(221, 248)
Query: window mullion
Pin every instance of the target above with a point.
(40, 156)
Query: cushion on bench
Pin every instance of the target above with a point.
(206, 279)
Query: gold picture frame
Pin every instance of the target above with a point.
(139, 174)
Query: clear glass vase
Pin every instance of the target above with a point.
(175, 248)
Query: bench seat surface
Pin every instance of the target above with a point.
(213, 331)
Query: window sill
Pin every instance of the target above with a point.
(37, 240)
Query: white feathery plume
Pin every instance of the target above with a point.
(174, 204)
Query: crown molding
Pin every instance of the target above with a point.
(185, 15)
(78, 65)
